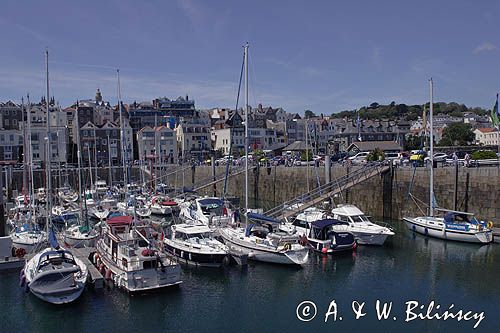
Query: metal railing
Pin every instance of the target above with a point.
(324, 191)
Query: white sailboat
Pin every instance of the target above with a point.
(53, 275)
(454, 225)
(263, 242)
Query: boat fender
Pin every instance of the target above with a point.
(22, 281)
(414, 228)
(226, 261)
(26, 287)
(426, 231)
(324, 250)
(13, 251)
(101, 268)
(20, 253)
(96, 257)
(108, 274)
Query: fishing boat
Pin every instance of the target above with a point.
(195, 244)
(211, 211)
(262, 241)
(454, 225)
(131, 256)
(365, 231)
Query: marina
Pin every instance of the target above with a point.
(323, 176)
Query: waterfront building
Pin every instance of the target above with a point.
(11, 115)
(157, 143)
(487, 136)
(58, 131)
(100, 143)
(11, 143)
(193, 139)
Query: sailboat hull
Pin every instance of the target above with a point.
(419, 226)
(291, 257)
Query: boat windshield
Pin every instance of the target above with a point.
(212, 208)
(359, 219)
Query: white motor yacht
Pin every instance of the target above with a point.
(195, 245)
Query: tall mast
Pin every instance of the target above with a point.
(25, 153)
(48, 163)
(122, 134)
(246, 129)
(109, 165)
(78, 155)
(431, 144)
(30, 158)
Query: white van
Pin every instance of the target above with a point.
(359, 157)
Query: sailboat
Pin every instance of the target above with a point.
(81, 235)
(454, 225)
(26, 235)
(53, 274)
(261, 240)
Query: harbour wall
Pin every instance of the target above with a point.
(383, 196)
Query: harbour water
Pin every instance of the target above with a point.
(264, 298)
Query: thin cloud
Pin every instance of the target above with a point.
(485, 47)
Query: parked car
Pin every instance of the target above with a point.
(359, 157)
(341, 155)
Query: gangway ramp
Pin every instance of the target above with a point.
(323, 192)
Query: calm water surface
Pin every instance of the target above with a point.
(264, 298)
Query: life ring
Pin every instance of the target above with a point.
(287, 246)
(490, 225)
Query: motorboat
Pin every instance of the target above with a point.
(325, 238)
(210, 211)
(162, 205)
(454, 225)
(195, 244)
(261, 241)
(80, 236)
(67, 194)
(365, 231)
(130, 254)
(101, 186)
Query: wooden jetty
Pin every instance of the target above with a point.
(84, 254)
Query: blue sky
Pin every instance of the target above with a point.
(326, 56)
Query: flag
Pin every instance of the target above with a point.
(495, 114)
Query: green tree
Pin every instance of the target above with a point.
(376, 155)
(309, 114)
(457, 134)
(413, 142)
(306, 157)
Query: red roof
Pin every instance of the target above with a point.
(486, 130)
(119, 220)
